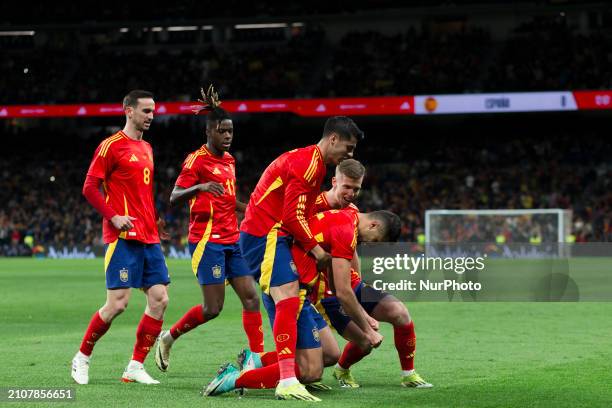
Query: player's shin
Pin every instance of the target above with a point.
(405, 343)
(146, 335)
(95, 330)
(285, 335)
(252, 323)
(190, 320)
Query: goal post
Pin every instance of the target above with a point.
(502, 225)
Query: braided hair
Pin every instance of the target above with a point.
(212, 104)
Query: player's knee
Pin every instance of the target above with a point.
(212, 312)
(331, 357)
(251, 303)
(310, 374)
(114, 309)
(163, 302)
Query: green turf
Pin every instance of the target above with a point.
(477, 354)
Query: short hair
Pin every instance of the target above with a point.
(344, 126)
(131, 99)
(391, 224)
(351, 168)
(216, 114)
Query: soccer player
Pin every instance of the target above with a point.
(275, 217)
(208, 182)
(382, 306)
(123, 166)
(337, 232)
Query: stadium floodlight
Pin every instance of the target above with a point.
(17, 33)
(259, 26)
(501, 226)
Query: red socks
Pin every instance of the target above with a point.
(96, 329)
(405, 343)
(351, 355)
(264, 377)
(190, 320)
(285, 335)
(251, 320)
(268, 358)
(146, 334)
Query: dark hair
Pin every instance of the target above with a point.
(344, 127)
(131, 99)
(216, 115)
(391, 224)
(351, 168)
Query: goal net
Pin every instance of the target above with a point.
(499, 226)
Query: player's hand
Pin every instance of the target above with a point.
(375, 338)
(372, 322)
(161, 229)
(123, 222)
(213, 187)
(323, 258)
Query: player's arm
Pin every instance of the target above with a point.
(189, 183)
(91, 191)
(356, 263)
(341, 273)
(240, 206)
(294, 214)
(181, 195)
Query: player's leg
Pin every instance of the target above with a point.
(279, 279)
(208, 265)
(389, 309)
(154, 279)
(244, 285)
(117, 262)
(308, 353)
(357, 347)
(329, 348)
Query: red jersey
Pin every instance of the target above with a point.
(336, 232)
(321, 205)
(285, 195)
(126, 167)
(210, 217)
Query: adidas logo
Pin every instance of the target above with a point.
(133, 158)
(216, 171)
(285, 351)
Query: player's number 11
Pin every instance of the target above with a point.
(231, 187)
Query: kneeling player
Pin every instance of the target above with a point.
(336, 232)
(346, 186)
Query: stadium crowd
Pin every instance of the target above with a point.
(72, 67)
(42, 202)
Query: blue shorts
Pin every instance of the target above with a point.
(332, 311)
(133, 264)
(309, 322)
(269, 259)
(217, 262)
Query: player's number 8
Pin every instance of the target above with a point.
(146, 175)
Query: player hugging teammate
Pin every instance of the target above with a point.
(297, 242)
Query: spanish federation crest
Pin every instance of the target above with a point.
(315, 334)
(216, 271)
(123, 275)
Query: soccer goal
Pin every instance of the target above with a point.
(500, 226)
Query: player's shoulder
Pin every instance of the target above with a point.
(228, 158)
(110, 143)
(196, 157)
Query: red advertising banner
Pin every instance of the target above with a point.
(397, 105)
(387, 105)
(587, 100)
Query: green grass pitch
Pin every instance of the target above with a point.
(476, 354)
